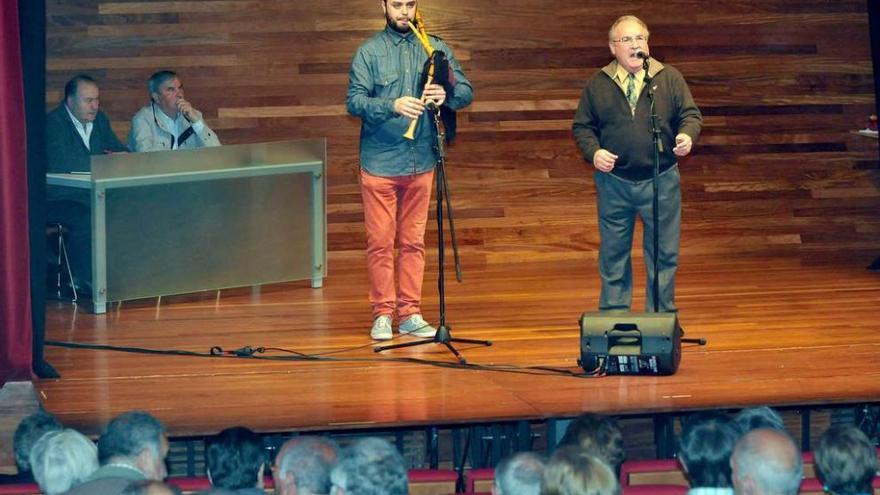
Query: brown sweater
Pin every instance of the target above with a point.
(603, 120)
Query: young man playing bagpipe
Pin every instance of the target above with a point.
(394, 86)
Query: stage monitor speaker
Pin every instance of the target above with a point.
(630, 343)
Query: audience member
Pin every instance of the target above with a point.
(235, 460)
(752, 418)
(766, 462)
(846, 461)
(705, 447)
(132, 447)
(75, 130)
(572, 471)
(63, 459)
(303, 465)
(169, 122)
(28, 433)
(149, 487)
(597, 435)
(370, 466)
(519, 474)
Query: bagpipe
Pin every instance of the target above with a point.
(437, 71)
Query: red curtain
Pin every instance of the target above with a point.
(15, 316)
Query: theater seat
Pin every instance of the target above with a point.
(20, 489)
(480, 480)
(432, 481)
(652, 472)
(655, 490)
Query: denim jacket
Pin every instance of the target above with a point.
(386, 67)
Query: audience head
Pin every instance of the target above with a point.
(766, 462)
(82, 97)
(370, 466)
(63, 459)
(235, 459)
(597, 435)
(302, 466)
(752, 418)
(165, 91)
(28, 432)
(150, 487)
(519, 474)
(846, 461)
(572, 471)
(707, 441)
(138, 439)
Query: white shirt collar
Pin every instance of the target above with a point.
(84, 130)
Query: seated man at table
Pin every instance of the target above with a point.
(75, 130)
(169, 122)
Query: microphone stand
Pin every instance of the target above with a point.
(443, 335)
(655, 206)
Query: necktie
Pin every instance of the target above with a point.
(631, 96)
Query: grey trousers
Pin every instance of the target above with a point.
(620, 201)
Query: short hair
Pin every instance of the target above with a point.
(752, 418)
(705, 447)
(62, 460)
(572, 471)
(310, 459)
(520, 474)
(28, 432)
(770, 458)
(158, 78)
(598, 435)
(371, 466)
(234, 458)
(128, 434)
(627, 18)
(846, 461)
(72, 86)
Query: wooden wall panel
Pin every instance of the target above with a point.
(782, 84)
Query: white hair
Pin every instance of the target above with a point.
(612, 31)
(63, 459)
(771, 459)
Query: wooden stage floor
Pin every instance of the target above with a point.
(780, 331)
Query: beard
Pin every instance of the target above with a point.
(393, 23)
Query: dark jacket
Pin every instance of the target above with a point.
(604, 121)
(65, 151)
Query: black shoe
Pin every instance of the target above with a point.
(45, 370)
(875, 266)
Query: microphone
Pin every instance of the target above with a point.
(642, 54)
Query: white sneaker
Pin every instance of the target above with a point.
(416, 326)
(381, 328)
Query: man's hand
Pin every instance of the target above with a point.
(409, 107)
(604, 160)
(435, 93)
(683, 144)
(188, 111)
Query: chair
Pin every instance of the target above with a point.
(655, 490)
(20, 489)
(190, 484)
(652, 472)
(62, 261)
(480, 480)
(432, 481)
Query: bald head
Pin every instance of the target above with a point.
(766, 462)
(303, 464)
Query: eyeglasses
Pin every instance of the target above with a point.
(629, 39)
